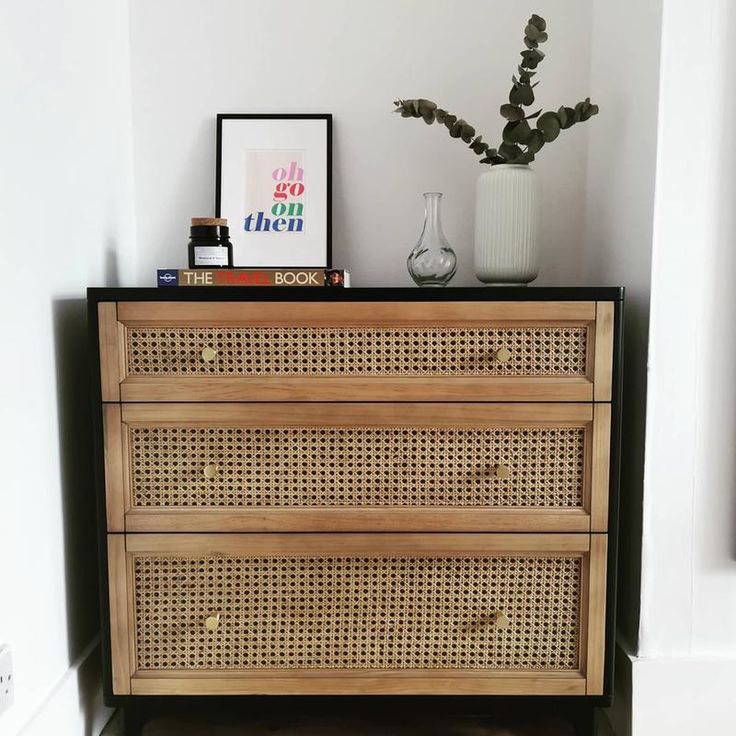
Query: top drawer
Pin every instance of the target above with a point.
(412, 351)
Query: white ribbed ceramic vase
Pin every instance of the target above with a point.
(507, 215)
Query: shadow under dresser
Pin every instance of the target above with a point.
(396, 495)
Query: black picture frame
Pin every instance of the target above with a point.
(327, 117)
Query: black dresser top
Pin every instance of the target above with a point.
(362, 294)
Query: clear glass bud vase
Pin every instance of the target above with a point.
(433, 261)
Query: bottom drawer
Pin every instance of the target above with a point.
(357, 613)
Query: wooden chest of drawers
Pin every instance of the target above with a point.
(357, 491)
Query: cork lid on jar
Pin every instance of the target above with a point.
(209, 221)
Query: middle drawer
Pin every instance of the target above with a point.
(356, 467)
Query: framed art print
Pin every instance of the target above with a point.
(274, 187)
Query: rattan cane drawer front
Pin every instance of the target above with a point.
(240, 605)
(356, 351)
(316, 351)
(358, 466)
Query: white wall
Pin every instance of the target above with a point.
(683, 671)
(689, 551)
(66, 217)
(194, 58)
(622, 153)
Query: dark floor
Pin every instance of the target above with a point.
(228, 725)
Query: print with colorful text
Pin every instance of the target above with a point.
(274, 192)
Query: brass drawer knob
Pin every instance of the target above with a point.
(211, 470)
(503, 355)
(502, 471)
(209, 354)
(212, 622)
(500, 620)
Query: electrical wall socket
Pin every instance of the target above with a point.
(6, 678)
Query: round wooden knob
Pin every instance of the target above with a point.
(502, 471)
(209, 354)
(503, 355)
(501, 620)
(211, 470)
(212, 622)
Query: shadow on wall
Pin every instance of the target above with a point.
(74, 407)
(77, 477)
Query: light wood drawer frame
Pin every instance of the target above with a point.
(123, 516)
(591, 548)
(112, 318)
(117, 385)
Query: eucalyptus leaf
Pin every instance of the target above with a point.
(549, 125)
(477, 145)
(491, 153)
(509, 151)
(567, 117)
(512, 112)
(521, 94)
(426, 107)
(562, 116)
(467, 131)
(535, 142)
(516, 132)
(589, 109)
(407, 108)
(531, 58)
(532, 32)
(524, 158)
(538, 22)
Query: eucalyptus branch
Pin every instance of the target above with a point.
(521, 142)
(457, 127)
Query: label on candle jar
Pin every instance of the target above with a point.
(210, 255)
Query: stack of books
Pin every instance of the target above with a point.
(254, 277)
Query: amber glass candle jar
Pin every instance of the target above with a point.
(209, 243)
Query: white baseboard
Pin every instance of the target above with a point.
(654, 697)
(74, 707)
(673, 697)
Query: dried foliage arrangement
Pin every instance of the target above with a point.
(521, 141)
